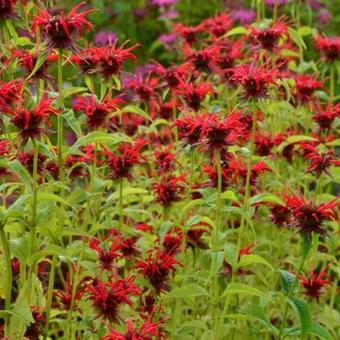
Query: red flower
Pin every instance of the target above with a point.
(264, 143)
(268, 37)
(10, 93)
(194, 94)
(189, 128)
(126, 157)
(280, 215)
(172, 241)
(320, 163)
(29, 122)
(219, 134)
(147, 331)
(195, 233)
(106, 257)
(165, 161)
(36, 329)
(7, 9)
(128, 247)
(246, 250)
(88, 61)
(254, 80)
(309, 217)
(173, 75)
(315, 284)
(97, 112)
(325, 116)
(189, 34)
(218, 25)
(329, 47)
(306, 86)
(170, 189)
(157, 268)
(26, 159)
(59, 30)
(108, 297)
(110, 59)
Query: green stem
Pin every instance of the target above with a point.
(50, 293)
(297, 13)
(290, 293)
(8, 290)
(35, 196)
(121, 214)
(331, 83)
(275, 12)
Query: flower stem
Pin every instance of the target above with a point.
(331, 83)
(8, 290)
(290, 293)
(121, 214)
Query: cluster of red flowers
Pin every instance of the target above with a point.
(138, 179)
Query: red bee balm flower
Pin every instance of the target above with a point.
(315, 283)
(268, 37)
(107, 297)
(60, 30)
(329, 47)
(254, 80)
(97, 112)
(7, 9)
(325, 116)
(309, 217)
(157, 267)
(306, 86)
(29, 122)
(10, 93)
(170, 189)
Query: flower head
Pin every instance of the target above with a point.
(329, 47)
(7, 9)
(170, 189)
(306, 86)
(60, 30)
(309, 217)
(325, 116)
(315, 283)
(107, 297)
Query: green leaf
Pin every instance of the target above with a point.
(138, 111)
(21, 171)
(70, 91)
(320, 331)
(297, 38)
(72, 122)
(127, 192)
(266, 197)
(241, 288)
(190, 290)
(300, 138)
(302, 310)
(305, 31)
(287, 280)
(237, 31)
(40, 61)
(246, 260)
(47, 196)
(229, 195)
(99, 137)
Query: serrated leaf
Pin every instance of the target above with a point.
(127, 192)
(266, 197)
(241, 288)
(297, 38)
(287, 280)
(305, 30)
(21, 171)
(190, 290)
(320, 331)
(72, 122)
(229, 195)
(40, 61)
(302, 310)
(246, 260)
(138, 111)
(70, 91)
(237, 31)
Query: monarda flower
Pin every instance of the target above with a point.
(173, 75)
(122, 161)
(193, 94)
(189, 129)
(314, 284)
(306, 86)
(110, 59)
(329, 47)
(265, 142)
(157, 267)
(172, 241)
(26, 159)
(107, 297)
(254, 80)
(36, 329)
(218, 25)
(170, 190)
(195, 233)
(97, 113)
(321, 162)
(309, 217)
(218, 134)
(165, 161)
(280, 215)
(10, 93)
(189, 33)
(106, 257)
(325, 116)
(149, 330)
(29, 122)
(7, 9)
(268, 37)
(61, 30)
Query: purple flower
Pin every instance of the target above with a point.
(244, 16)
(170, 14)
(104, 38)
(168, 39)
(315, 4)
(163, 3)
(324, 17)
(140, 13)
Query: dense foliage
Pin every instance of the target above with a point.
(169, 169)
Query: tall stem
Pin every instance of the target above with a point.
(9, 279)
(331, 83)
(35, 196)
(60, 140)
(290, 293)
(121, 214)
